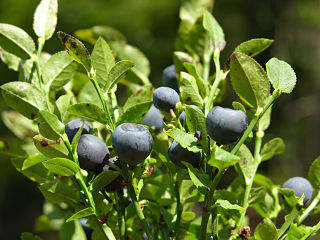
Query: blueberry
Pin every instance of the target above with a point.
(116, 185)
(182, 116)
(153, 119)
(88, 230)
(73, 127)
(169, 78)
(92, 152)
(225, 125)
(165, 98)
(300, 185)
(132, 143)
(177, 154)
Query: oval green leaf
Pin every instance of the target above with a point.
(81, 214)
(254, 46)
(215, 31)
(117, 72)
(88, 110)
(249, 80)
(281, 75)
(49, 125)
(45, 18)
(24, 98)
(50, 148)
(134, 114)
(103, 179)
(61, 166)
(19, 37)
(189, 90)
(266, 230)
(313, 173)
(272, 148)
(58, 71)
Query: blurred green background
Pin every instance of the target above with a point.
(151, 26)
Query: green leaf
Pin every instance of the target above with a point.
(249, 80)
(272, 148)
(37, 173)
(58, 71)
(186, 140)
(200, 180)
(128, 52)
(281, 75)
(89, 94)
(313, 173)
(76, 138)
(265, 120)
(76, 50)
(29, 236)
(61, 166)
(257, 195)
(266, 230)
(189, 91)
(103, 179)
(60, 192)
(227, 205)
(72, 231)
(222, 159)
(134, 114)
(102, 60)
(254, 46)
(11, 60)
(50, 148)
(238, 106)
(88, 110)
(215, 31)
(62, 105)
(117, 72)
(192, 70)
(18, 37)
(33, 160)
(24, 98)
(263, 181)
(188, 216)
(81, 214)
(179, 59)
(21, 126)
(91, 35)
(191, 10)
(247, 163)
(143, 94)
(45, 18)
(196, 121)
(49, 125)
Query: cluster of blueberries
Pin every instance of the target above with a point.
(132, 143)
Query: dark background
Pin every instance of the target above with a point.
(151, 26)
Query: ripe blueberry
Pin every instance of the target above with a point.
(300, 185)
(92, 153)
(182, 116)
(169, 78)
(177, 154)
(165, 98)
(225, 125)
(153, 119)
(132, 143)
(88, 230)
(73, 127)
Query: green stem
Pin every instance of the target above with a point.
(133, 196)
(249, 182)
(312, 231)
(206, 62)
(38, 69)
(79, 175)
(114, 103)
(277, 208)
(208, 203)
(120, 219)
(216, 82)
(178, 209)
(307, 211)
(103, 102)
(164, 231)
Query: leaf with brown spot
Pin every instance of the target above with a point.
(76, 50)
